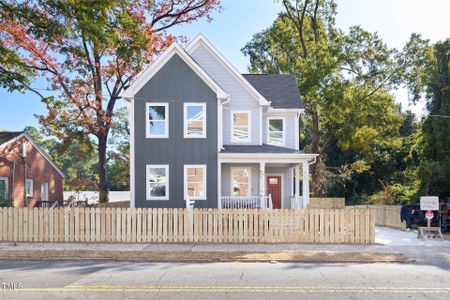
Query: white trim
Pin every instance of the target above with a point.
(261, 120)
(185, 134)
(266, 157)
(219, 184)
(147, 182)
(148, 73)
(283, 119)
(148, 135)
(201, 40)
(297, 132)
(283, 111)
(31, 188)
(132, 157)
(37, 148)
(249, 169)
(185, 181)
(282, 185)
(6, 186)
(249, 120)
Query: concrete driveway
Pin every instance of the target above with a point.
(424, 251)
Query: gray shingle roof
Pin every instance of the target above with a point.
(280, 89)
(264, 148)
(6, 136)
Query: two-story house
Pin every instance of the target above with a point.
(202, 131)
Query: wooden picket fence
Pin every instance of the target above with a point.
(386, 215)
(141, 225)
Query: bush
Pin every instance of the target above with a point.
(4, 200)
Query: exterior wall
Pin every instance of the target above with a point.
(241, 98)
(226, 178)
(38, 169)
(175, 83)
(286, 182)
(290, 131)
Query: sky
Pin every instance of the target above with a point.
(239, 20)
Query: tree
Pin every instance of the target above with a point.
(428, 76)
(89, 52)
(344, 80)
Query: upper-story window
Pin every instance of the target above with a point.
(195, 120)
(157, 120)
(240, 126)
(275, 131)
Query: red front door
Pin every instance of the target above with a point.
(274, 189)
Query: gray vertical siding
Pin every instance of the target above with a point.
(175, 83)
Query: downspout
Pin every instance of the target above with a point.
(13, 179)
(24, 158)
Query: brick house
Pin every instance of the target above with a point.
(27, 174)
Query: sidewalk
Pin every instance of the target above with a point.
(392, 246)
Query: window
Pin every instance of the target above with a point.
(29, 187)
(157, 182)
(44, 191)
(241, 181)
(275, 131)
(3, 188)
(195, 120)
(195, 182)
(157, 120)
(240, 129)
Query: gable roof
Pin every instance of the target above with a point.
(280, 89)
(173, 49)
(7, 137)
(202, 40)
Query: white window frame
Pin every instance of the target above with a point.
(249, 117)
(30, 181)
(147, 121)
(185, 123)
(6, 186)
(46, 191)
(186, 167)
(147, 182)
(283, 119)
(249, 170)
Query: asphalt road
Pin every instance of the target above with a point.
(92, 280)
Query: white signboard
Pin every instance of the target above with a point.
(429, 203)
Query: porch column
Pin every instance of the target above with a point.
(305, 184)
(297, 180)
(262, 185)
(219, 184)
(262, 179)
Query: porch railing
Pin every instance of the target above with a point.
(248, 202)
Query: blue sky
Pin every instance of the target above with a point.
(230, 30)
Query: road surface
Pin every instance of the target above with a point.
(94, 280)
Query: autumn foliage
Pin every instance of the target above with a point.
(89, 52)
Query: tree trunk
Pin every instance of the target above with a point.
(103, 186)
(315, 138)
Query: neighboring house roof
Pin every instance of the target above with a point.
(279, 89)
(7, 137)
(202, 40)
(264, 148)
(151, 71)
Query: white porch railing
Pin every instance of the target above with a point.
(249, 202)
(297, 202)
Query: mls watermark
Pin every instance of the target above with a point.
(11, 286)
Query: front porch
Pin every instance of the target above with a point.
(256, 179)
